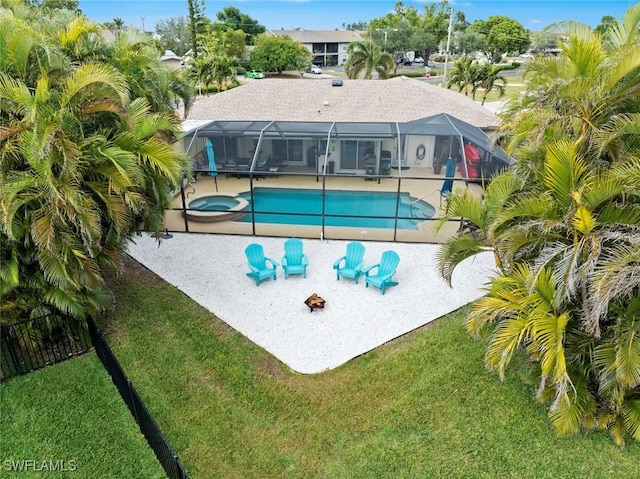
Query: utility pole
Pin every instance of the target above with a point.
(446, 53)
(386, 32)
(142, 24)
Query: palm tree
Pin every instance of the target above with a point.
(137, 58)
(367, 56)
(567, 239)
(482, 213)
(590, 91)
(592, 383)
(117, 24)
(465, 74)
(566, 243)
(75, 184)
(224, 68)
(489, 76)
(83, 168)
(202, 69)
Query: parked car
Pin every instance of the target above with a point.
(418, 60)
(254, 74)
(404, 62)
(316, 69)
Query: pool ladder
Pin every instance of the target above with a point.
(423, 196)
(193, 189)
(415, 201)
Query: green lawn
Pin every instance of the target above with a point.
(72, 412)
(420, 406)
(513, 90)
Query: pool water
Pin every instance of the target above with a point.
(358, 208)
(213, 203)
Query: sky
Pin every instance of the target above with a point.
(331, 14)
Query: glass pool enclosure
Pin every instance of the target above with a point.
(320, 179)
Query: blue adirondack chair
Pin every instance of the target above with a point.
(350, 265)
(261, 266)
(294, 260)
(385, 271)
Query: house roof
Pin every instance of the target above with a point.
(169, 55)
(400, 99)
(320, 36)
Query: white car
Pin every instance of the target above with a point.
(316, 69)
(418, 60)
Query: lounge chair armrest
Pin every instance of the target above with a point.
(336, 265)
(305, 259)
(387, 276)
(273, 262)
(254, 269)
(366, 271)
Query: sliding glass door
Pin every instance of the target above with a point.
(354, 155)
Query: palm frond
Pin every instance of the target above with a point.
(565, 171)
(568, 412)
(455, 250)
(631, 410)
(615, 276)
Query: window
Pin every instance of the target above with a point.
(331, 60)
(288, 150)
(224, 148)
(354, 153)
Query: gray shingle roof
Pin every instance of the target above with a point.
(400, 99)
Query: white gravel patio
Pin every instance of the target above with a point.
(211, 269)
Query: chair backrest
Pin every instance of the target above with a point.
(255, 255)
(293, 251)
(388, 263)
(355, 254)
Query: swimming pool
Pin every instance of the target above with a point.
(216, 207)
(358, 209)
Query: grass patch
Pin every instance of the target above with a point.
(421, 406)
(514, 88)
(72, 412)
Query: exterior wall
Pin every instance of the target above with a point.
(325, 53)
(329, 47)
(173, 63)
(412, 143)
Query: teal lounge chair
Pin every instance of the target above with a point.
(385, 270)
(258, 262)
(294, 260)
(350, 265)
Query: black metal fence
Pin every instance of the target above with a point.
(36, 343)
(39, 342)
(163, 451)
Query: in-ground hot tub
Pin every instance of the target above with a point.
(216, 207)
